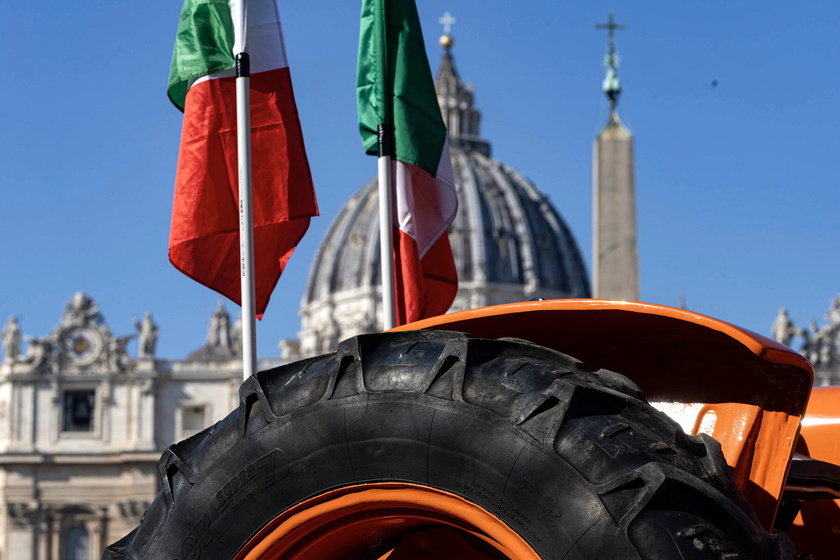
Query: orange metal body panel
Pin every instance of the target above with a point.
(821, 425)
(752, 388)
(817, 527)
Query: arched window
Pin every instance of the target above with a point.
(78, 544)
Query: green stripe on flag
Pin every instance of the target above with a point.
(394, 84)
(203, 45)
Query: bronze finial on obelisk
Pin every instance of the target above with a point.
(611, 84)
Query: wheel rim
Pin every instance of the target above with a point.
(348, 522)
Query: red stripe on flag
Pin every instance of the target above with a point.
(423, 287)
(204, 238)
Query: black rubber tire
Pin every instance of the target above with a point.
(575, 461)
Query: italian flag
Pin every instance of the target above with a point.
(394, 87)
(204, 237)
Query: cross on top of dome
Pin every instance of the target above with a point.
(447, 20)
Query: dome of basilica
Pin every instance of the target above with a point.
(509, 242)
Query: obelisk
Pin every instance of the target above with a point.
(615, 253)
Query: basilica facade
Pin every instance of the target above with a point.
(83, 425)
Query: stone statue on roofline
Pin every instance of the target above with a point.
(11, 341)
(783, 328)
(147, 337)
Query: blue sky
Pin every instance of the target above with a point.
(733, 109)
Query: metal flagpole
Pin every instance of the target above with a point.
(385, 146)
(246, 221)
(385, 227)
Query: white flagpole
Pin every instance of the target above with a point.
(239, 10)
(385, 228)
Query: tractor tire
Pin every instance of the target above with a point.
(574, 462)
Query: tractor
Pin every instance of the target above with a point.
(562, 429)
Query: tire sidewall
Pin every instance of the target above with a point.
(393, 437)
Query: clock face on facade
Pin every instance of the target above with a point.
(82, 345)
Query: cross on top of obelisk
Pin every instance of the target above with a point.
(446, 20)
(611, 84)
(611, 26)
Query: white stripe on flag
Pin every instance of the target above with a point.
(264, 39)
(425, 205)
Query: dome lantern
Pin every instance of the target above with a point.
(455, 98)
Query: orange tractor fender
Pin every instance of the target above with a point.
(745, 390)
